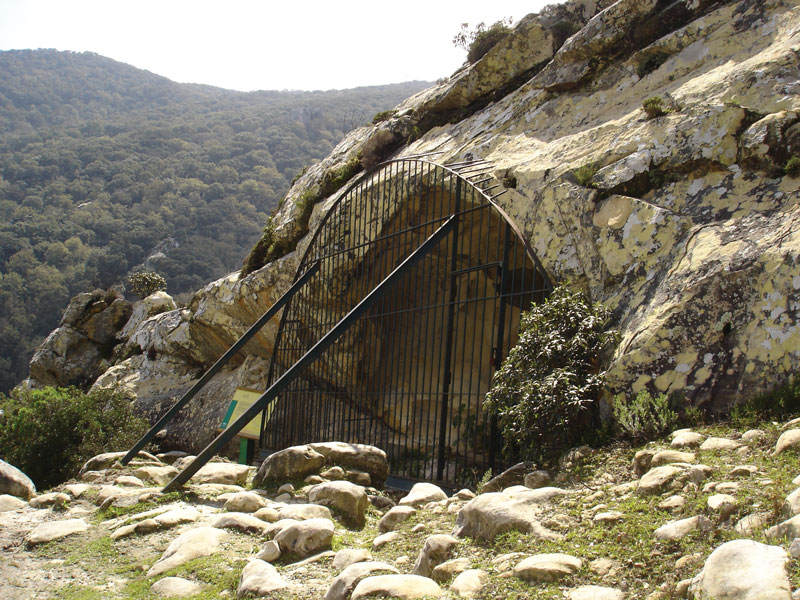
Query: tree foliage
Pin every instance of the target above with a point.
(144, 283)
(106, 169)
(50, 433)
(544, 390)
(479, 40)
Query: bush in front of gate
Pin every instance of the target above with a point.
(544, 392)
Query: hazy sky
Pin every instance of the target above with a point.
(250, 45)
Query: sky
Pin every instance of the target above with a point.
(260, 45)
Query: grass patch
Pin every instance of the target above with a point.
(654, 107)
(583, 175)
(114, 512)
(792, 168)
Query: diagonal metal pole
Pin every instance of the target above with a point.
(221, 362)
(299, 367)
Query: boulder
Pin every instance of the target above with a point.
(246, 502)
(535, 480)
(306, 537)
(55, 530)
(436, 550)
(514, 475)
(259, 578)
(658, 480)
(343, 584)
(687, 439)
(8, 502)
(674, 530)
(547, 567)
(290, 463)
(446, 570)
(349, 556)
(788, 440)
(402, 587)
(469, 583)
(222, 473)
(490, 514)
(14, 482)
(347, 498)
(201, 541)
(722, 504)
(244, 522)
(301, 512)
(422, 493)
(361, 457)
(743, 570)
(719, 443)
(396, 515)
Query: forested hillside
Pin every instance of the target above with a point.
(106, 169)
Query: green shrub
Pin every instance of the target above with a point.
(643, 417)
(778, 404)
(382, 116)
(654, 107)
(544, 391)
(792, 168)
(477, 42)
(50, 433)
(585, 173)
(144, 283)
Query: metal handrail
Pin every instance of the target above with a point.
(271, 394)
(221, 362)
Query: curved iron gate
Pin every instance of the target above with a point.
(411, 374)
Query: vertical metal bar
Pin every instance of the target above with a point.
(500, 338)
(449, 348)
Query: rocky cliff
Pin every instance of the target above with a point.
(681, 217)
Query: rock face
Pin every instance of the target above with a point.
(685, 223)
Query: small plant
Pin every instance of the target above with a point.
(144, 283)
(585, 173)
(544, 392)
(478, 41)
(382, 116)
(779, 404)
(792, 168)
(643, 417)
(50, 433)
(654, 107)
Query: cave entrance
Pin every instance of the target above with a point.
(410, 375)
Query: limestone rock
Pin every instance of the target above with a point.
(304, 511)
(76, 490)
(788, 439)
(343, 584)
(749, 525)
(673, 503)
(792, 504)
(436, 550)
(595, 592)
(244, 522)
(8, 502)
(641, 461)
(535, 480)
(445, 571)
(396, 515)
(347, 498)
(469, 583)
(514, 475)
(296, 461)
(659, 479)
(306, 537)
(422, 493)
(362, 457)
(403, 587)
(129, 480)
(14, 482)
(687, 439)
(269, 552)
(722, 504)
(176, 587)
(222, 473)
(349, 556)
(201, 541)
(743, 570)
(606, 517)
(547, 567)
(675, 530)
(788, 529)
(385, 538)
(490, 514)
(259, 578)
(719, 443)
(49, 500)
(154, 304)
(158, 475)
(246, 502)
(666, 457)
(55, 530)
(753, 435)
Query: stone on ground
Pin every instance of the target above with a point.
(469, 583)
(343, 584)
(743, 570)
(448, 569)
(306, 537)
(722, 504)
(259, 578)
(749, 525)
(245, 502)
(666, 457)
(385, 538)
(244, 522)
(222, 473)
(753, 435)
(201, 541)
(673, 504)
(55, 530)
(361, 457)
(787, 440)
(674, 530)
(436, 550)
(396, 515)
(514, 475)
(350, 556)
(295, 461)
(719, 443)
(8, 502)
(347, 498)
(536, 479)
(270, 552)
(788, 529)
(488, 515)
(687, 439)
(48, 500)
(659, 479)
(547, 567)
(301, 512)
(176, 587)
(158, 475)
(595, 592)
(422, 493)
(402, 587)
(105, 460)
(14, 482)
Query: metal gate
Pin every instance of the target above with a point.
(411, 374)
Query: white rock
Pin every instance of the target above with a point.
(348, 498)
(743, 570)
(547, 567)
(788, 439)
(349, 556)
(343, 584)
(48, 500)
(223, 473)
(384, 539)
(659, 479)
(687, 439)
(14, 482)
(259, 578)
(55, 530)
(719, 443)
(201, 541)
(749, 525)
(753, 435)
(270, 552)
(301, 512)
(306, 537)
(176, 587)
(666, 457)
(246, 502)
(244, 522)
(447, 569)
(396, 515)
(8, 502)
(422, 493)
(469, 583)
(722, 504)
(675, 530)
(595, 592)
(436, 550)
(402, 587)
